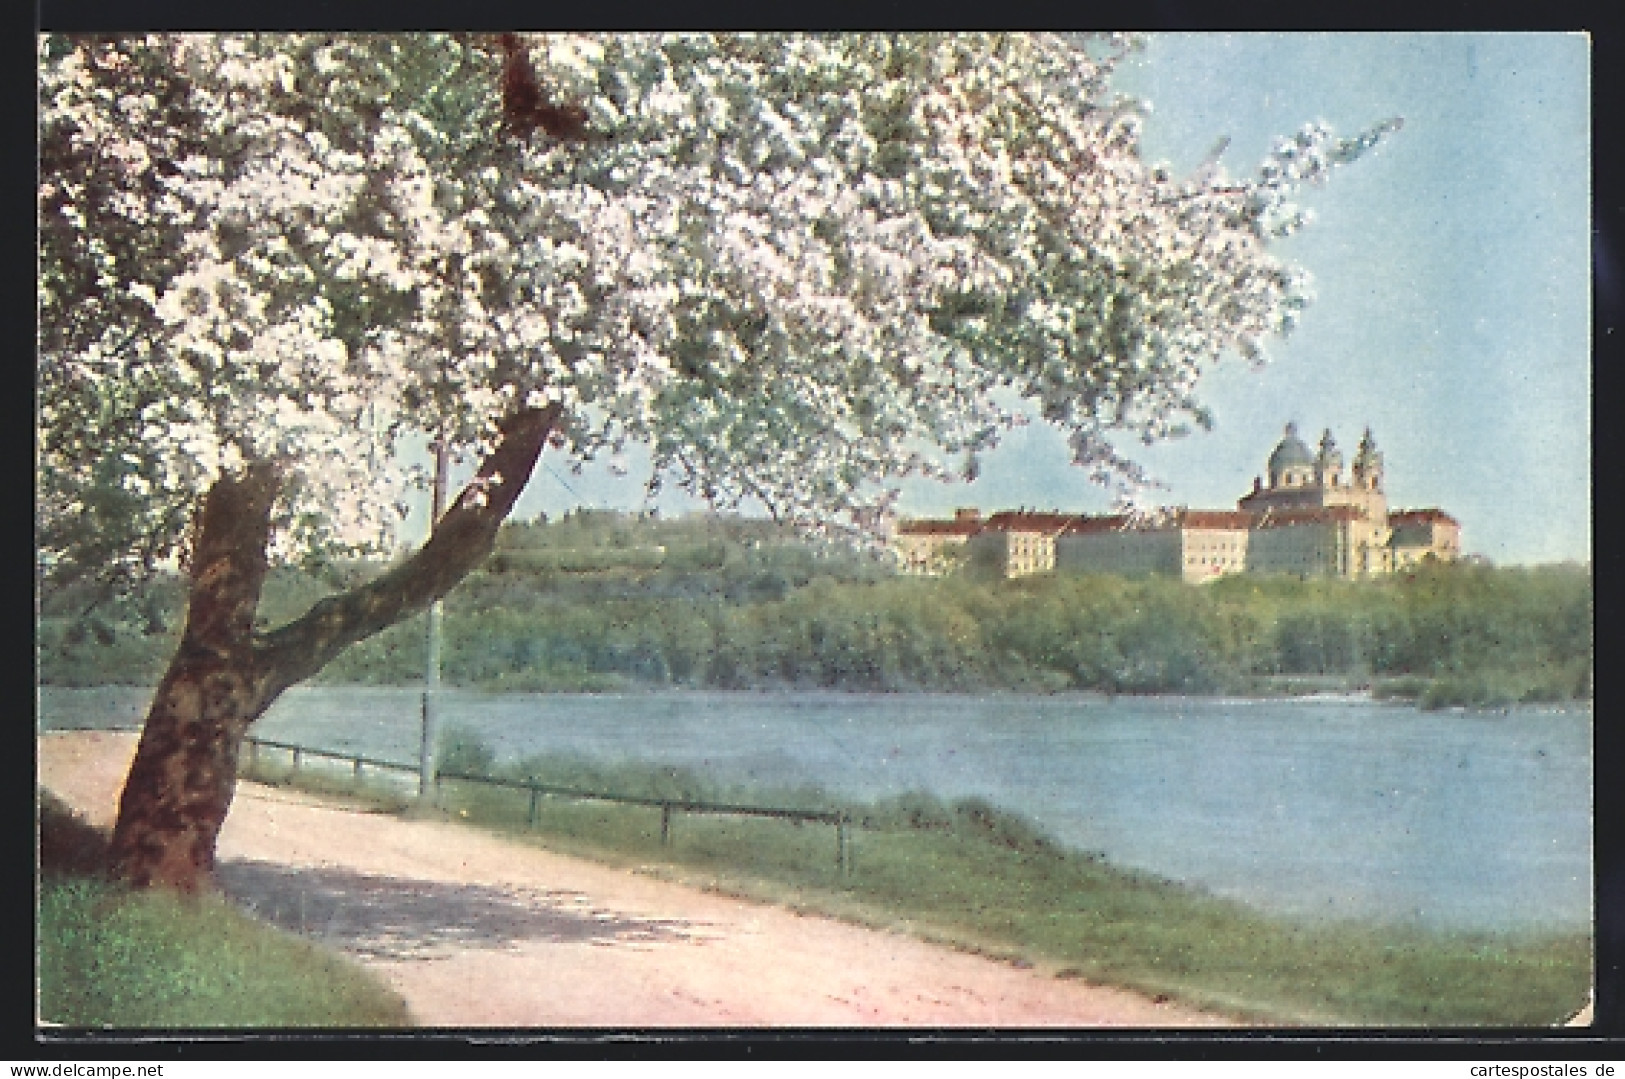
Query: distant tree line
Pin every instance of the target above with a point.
(601, 601)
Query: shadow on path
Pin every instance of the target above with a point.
(393, 918)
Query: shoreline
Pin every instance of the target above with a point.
(757, 764)
(1363, 696)
(1455, 960)
(584, 943)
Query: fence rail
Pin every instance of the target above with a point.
(667, 806)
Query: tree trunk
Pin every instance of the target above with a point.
(185, 769)
(224, 676)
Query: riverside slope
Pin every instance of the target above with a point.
(476, 931)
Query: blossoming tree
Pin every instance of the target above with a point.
(796, 266)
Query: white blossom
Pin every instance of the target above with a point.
(797, 266)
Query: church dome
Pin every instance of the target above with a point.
(1291, 453)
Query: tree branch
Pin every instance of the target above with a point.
(459, 543)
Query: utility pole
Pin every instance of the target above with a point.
(437, 614)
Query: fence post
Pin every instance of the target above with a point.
(842, 821)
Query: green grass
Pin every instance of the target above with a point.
(116, 958)
(977, 878)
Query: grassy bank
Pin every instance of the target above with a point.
(978, 878)
(110, 957)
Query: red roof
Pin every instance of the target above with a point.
(1029, 521)
(1232, 519)
(1116, 522)
(1056, 523)
(938, 528)
(1416, 517)
(1323, 515)
(1183, 518)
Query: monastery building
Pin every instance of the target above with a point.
(1304, 517)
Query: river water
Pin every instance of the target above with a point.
(1477, 820)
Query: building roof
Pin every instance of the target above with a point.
(1089, 524)
(1235, 520)
(1322, 515)
(1170, 521)
(1113, 522)
(1290, 452)
(1417, 517)
(1227, 519)
(1029, 521)
(924, 527)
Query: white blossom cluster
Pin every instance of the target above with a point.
(796, 265)
(212, 334)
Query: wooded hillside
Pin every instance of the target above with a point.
(602, 600)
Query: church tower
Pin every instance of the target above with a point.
(1368, 464)
(1299, 478)
(1328, 463)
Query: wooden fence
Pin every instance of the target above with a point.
(667, 806)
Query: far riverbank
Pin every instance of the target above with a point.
(1443, 636)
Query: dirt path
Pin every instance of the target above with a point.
(474, 931)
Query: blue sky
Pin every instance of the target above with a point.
(1452, 276)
